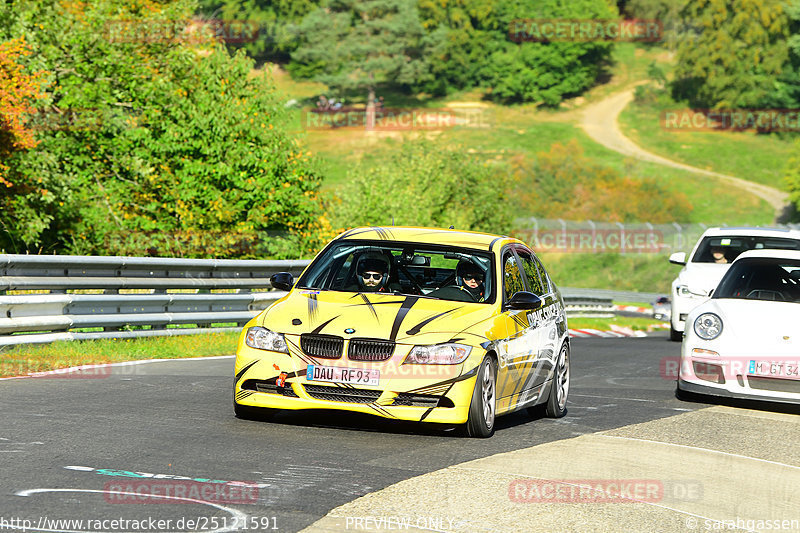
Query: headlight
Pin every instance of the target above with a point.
(439, 354)
(708, 326)
(264, 339)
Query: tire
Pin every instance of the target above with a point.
(556, 406)
(675, 335)
(483, 407)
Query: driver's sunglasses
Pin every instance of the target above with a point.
(473, 277)
(372, 275)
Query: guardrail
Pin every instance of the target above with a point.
(148, 309)
(36, 318)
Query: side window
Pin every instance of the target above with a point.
(512, 278)
(537, 282)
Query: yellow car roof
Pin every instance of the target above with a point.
(447, 237)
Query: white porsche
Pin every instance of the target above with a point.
(712, 255)
(744, 342)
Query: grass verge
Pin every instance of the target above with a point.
(604, 324)
(24, 359)
(758, 158)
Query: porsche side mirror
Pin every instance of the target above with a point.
(524, 300)
(282, 281)
(678, 258)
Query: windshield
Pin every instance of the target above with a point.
(726, 249)
(762, 279)
(441, 272)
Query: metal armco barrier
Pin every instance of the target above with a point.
(36, 318)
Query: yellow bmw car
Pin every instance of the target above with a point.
(418, 324)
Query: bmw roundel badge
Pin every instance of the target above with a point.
(349, 330)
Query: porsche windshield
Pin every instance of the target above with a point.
(762, 279)
(435, 271)
(729, 248)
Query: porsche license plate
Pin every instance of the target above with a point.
(336, 374)
(780, 369)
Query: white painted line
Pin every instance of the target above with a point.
(701, 449)
(239, 518)
(121, 363)
(613, 398)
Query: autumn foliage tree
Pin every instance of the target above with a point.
(18, 90)
(153, 139)
(563, 183)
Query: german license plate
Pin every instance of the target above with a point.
(337, 374)
(781, 369)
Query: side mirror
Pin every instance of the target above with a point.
(282, 281)
(678, 258)
(524, 300)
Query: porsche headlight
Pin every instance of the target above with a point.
(264, 339)
(439, 354)
(708, 326)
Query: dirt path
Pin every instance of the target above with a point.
(599, 121)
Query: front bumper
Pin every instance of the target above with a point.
(440, 398)
(736, 391)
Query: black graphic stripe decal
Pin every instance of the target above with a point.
(298, 352)
(369, 304)
(322, 326)
(416, 329)
(381, 410)
(462, 377)
(313, 306)
(242, 394)
(245, 369)
(426, 413)
(401, 315)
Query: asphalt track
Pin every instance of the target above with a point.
(71, 448)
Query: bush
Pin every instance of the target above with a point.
(563, 183)
(426, 183)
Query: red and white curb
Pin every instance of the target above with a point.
(634, 309)
(615, 333)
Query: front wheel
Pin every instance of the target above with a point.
(480, 421)
(675, 335)
(559, 391)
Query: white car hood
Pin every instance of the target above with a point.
(754, 327)
(702, 277)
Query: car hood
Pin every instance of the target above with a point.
(382, 316)
(755, 325)
(702, 277)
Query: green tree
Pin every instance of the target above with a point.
(363, 45)
(425, 183)
(737, 57)
(274, 20)
(170, 146)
